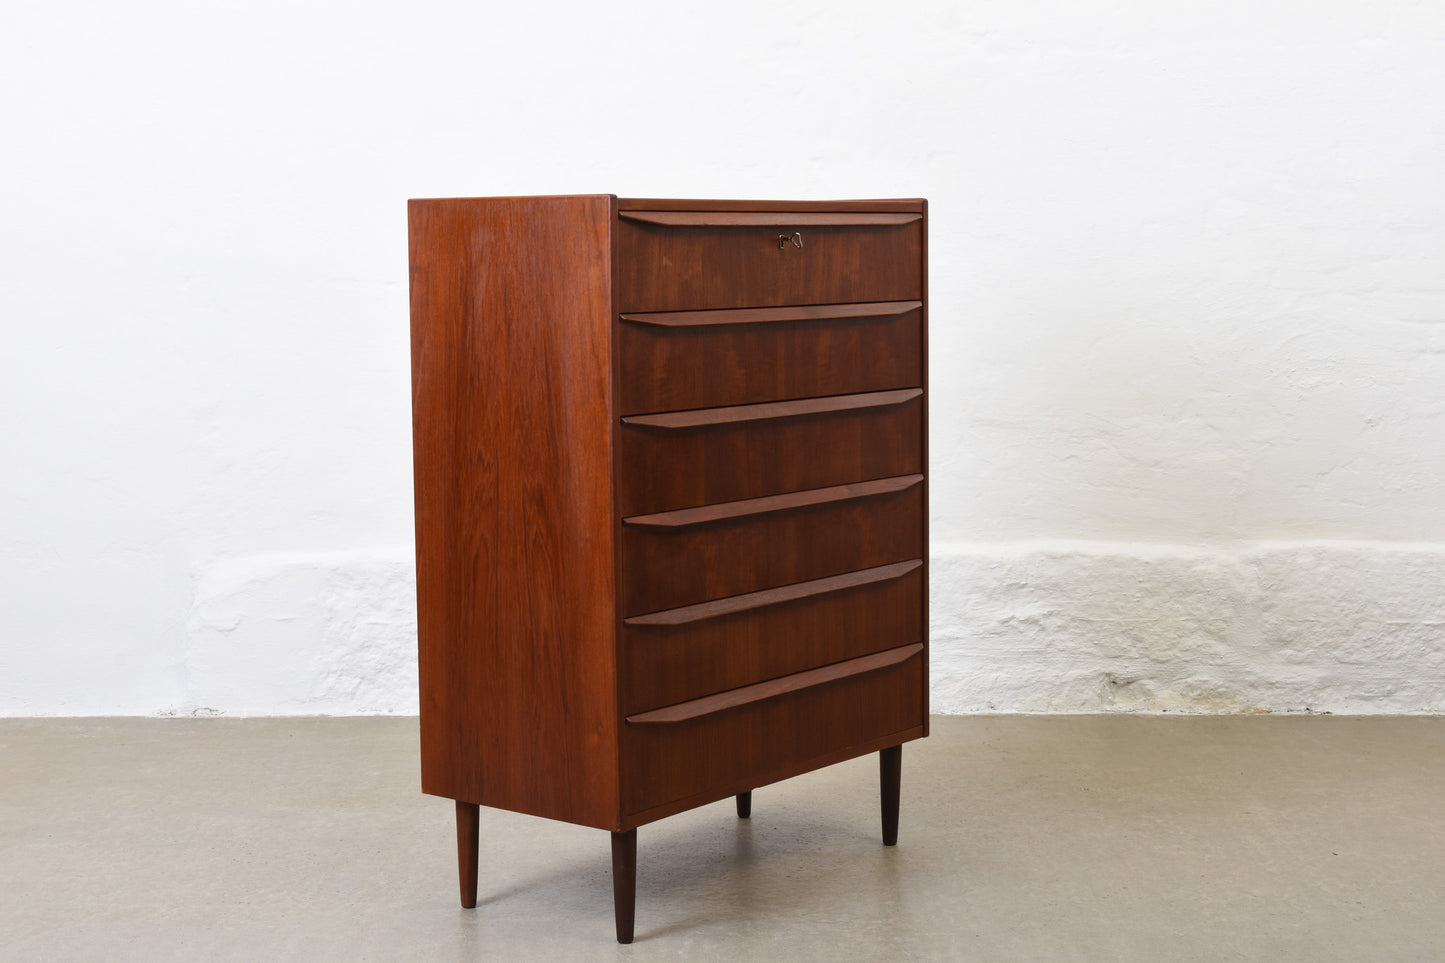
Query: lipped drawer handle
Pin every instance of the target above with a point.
(796, 237)
(772, 689)
(801, 312)
(793, 219)
(770, 410)
(749, 507)
(751, 601)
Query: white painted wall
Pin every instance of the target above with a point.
(1188, 278)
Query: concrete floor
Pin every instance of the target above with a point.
(1023, 838)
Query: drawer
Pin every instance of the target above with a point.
(676, 558)
(687, 458)
(744, 738)
(685, 653)
(688, 260)
(673, 360)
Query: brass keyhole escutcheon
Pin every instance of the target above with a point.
(796, 237)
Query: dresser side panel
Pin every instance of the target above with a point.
(512, 409)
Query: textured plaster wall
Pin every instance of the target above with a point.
(1188, 323)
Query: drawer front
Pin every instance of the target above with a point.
(702, 359)
(697, 650)
(734, 748)
(688, 556)
(711, 455)
(679, 261)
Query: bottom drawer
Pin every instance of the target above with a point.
(680, 654)
(716, 747)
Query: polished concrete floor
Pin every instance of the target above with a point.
(1023, 838)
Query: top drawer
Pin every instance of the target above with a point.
(685, 260)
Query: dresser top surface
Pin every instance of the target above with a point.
(884, 205)
(677, 204)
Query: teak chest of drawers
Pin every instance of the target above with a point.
(671, 506)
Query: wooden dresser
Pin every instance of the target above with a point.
(671, 506)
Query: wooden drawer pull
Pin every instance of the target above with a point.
(684, 517)
(802, 312)
(768, 218)
(768, 411)
(749, 694)
(703, 611)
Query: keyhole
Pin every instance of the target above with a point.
(796, 237)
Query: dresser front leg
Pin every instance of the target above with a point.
(624, 882)
(745, 804)
(890, 770)
(468, 840)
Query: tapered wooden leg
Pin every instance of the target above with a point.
(624, 882)
(745, 804)
(468, 833)
(890, 770)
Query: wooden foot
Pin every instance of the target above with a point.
(624, 882)
(890, 770)
(468, 833)
(745, 804)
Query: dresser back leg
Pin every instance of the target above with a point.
(745, 804)
(468, 832)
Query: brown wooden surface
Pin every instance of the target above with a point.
(666, 662)
(667, 568)
(688, 268)
(727, 751)
(674, 465)
(788, 220)
(773, 688)
(714, 204)
(668, 368)
(511, 397)
(624, 883)
(468, 846)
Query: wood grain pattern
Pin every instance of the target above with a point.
(684, 653)
(673, 367)
(511, 397)
(667, 568)
(687, 268)
(780, 219)
(797, 312)
(722, 754)
(696, 458)
(773, 688)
